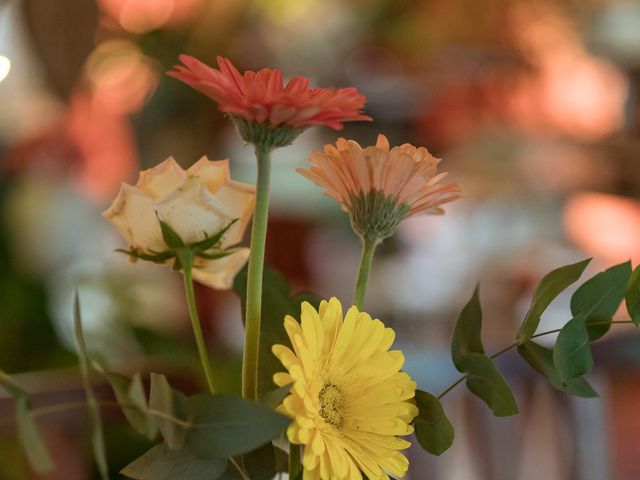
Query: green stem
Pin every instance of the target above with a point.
(294, 461)
(254, 277)
(369, 245)
(186, 259)
(514, 345)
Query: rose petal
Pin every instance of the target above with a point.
(219, 273)
(133, 215)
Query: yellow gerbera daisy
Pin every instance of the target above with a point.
(349, 401)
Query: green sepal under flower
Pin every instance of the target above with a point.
(264, 136)
(208, 248)
(374, 215)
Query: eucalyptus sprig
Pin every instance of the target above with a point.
(593, 306)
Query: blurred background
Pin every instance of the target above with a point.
(533, 106)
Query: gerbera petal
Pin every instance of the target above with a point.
(379, 186)
(261, 97)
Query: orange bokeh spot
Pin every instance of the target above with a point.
(120, 76)
(603, 225)
(139, 16)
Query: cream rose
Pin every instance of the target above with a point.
(196, 202)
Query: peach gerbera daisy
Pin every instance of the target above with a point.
(379, 186)
(349, 400)
(262, 97)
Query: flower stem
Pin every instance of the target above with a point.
(368, 249)
(254, 277)
(514, 345)
(186, 259)
(294, 461)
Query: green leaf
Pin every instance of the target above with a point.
(132, 398)
(632, 296)
(599, 298)
(572, 353)
(213, 240)
(273, 398)
(97, 437)
(163, 463)
(170, 236)
(157, 257)
(277, 302)
(32, 443)
(485, 381)
(541, 359)
(215, 255)
(466, 335)
(433, 429)
(171, 407)
(549, 288)
(228, 425)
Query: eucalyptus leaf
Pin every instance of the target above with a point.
(632, 296)
(228, 425)
(132, 399)
(432, 427)
(572, 354)
(277, 302)
(541, 359)
(467, 333)
(31, 441)
(599, 297)
(273, 398)
(164, 463)
(97, 436)
(171, 407)
(485, 381)
(548, 289)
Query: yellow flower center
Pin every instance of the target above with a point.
(331, 401)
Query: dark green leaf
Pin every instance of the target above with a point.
(97, 437)
(466, 335)
(132, 398)
(433, 429)
(572, 354)
(485, 381)
(549, 288)
(277, 302)
(163, 463)
(228, 425)
(541, 359)
(32, 443)
(259, 464)
(273, 398)
(599, 298)
(171, 408)
(170, 237)
(214, 239)
(282, 459)
(632, 296)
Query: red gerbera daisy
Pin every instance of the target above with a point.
(262, 97)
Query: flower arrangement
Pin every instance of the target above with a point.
(328, 378)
